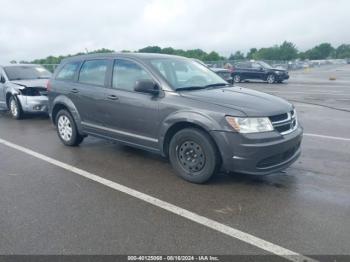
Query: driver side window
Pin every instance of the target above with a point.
(126, 73)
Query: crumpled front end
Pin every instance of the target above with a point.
(33, 99)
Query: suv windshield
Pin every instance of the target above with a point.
(186, 74)
(26, 72)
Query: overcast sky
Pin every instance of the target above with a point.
(38, 28)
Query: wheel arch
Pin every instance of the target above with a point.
(191, 120)
(62, 102)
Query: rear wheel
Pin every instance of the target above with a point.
(193, 155)
(270, 79)
(67, 130)
(237, 78)
(15, 108)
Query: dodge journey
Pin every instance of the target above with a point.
(175, 107)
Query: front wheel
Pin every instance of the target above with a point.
(15, 108)
(193, 155)
(271, 79)
(67, 130)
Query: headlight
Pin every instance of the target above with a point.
(250, 124)
(278, 72)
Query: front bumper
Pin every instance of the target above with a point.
(34, 104)
(258, 154)
(282, 77)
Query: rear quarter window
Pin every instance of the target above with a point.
(68, 71)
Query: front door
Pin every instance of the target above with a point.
(132, 116)
(257, 71)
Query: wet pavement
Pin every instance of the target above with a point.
(48, 210)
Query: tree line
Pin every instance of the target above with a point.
(285, 51)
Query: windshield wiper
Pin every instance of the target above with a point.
(202, 87)
(218, 84)
(190, 88)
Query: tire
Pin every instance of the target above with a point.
(67, 129)
(280, 81)
(15, 108)
(237, 78)
(202, 158)
(271, 78)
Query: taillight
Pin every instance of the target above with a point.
(48, 86)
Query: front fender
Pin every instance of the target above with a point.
(185, 116)
(62, 100)
(12, 90)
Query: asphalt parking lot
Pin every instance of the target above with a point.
(47, 209)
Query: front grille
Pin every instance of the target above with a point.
(278, 117)
(284, 123)
(279, 158)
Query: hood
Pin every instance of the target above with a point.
(31, 83)
(250, 102)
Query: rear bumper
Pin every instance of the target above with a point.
(258, 154)
(34, 104)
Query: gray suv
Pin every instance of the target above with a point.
(175, 107)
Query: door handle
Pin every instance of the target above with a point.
(74, 90)
(112, 97)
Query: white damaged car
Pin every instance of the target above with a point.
(23, 89)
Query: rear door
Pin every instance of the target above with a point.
(244, 69)
(89, 91)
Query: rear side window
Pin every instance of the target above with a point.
(68, 71)
(243, 65)
(94, 72)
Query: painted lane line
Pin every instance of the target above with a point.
(222, 228)
(328, 137)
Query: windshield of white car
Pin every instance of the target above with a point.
(186, 74)
(26, 72)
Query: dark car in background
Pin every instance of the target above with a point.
(175, 107)
(223, 73)
(258, 70)
(23, 89)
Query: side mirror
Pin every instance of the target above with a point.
(146, 86)
(261, 69)
(2, 79)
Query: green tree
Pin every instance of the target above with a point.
(251, 53)
(168, 51)
(237, 56)
(150, 49)
(212, 56)
(322, 51)
(343, 51)
(287, 51)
